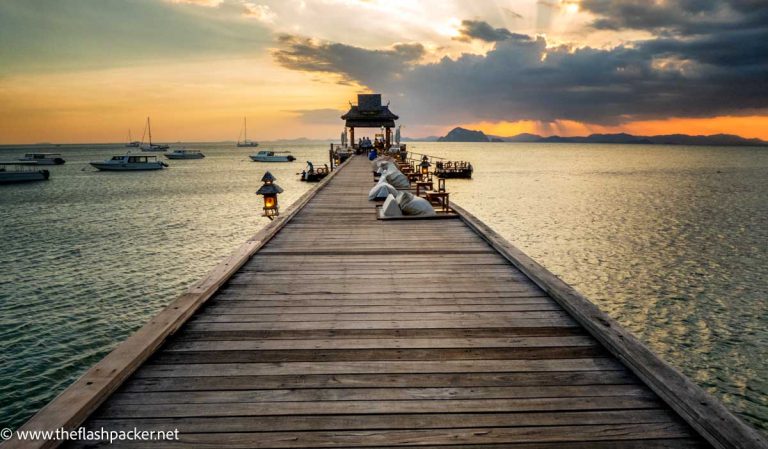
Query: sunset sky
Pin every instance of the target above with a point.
(88, 70)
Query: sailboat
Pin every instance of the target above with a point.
(151, 146)
(246, 142)
(132, 143)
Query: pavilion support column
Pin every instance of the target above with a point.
(352, 140)
(388, 138)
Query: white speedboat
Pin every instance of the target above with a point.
(151, 146)
(12, 172)
(184, 154)
(130, 162)
(245, 142)
(43, 158)
(272, 156)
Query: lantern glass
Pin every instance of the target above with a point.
(270, 201)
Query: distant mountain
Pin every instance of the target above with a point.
(459, 134)
(466, 135)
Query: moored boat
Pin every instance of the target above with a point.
(151, 146)
(132, 143)
(43, 158)
(12, 172)
(245, 142)
(272, 156)
(130, 162)
(184, 154)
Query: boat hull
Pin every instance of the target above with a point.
(272, 158)
(128, 166)
(247, 144)
(185, 156)
(11, 177)
(53, 161)
(155, 148)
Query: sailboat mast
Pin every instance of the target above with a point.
(149, 128)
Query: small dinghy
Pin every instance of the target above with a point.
(312, 174)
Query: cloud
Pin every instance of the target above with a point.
(262, 13)
(352, 64)
(682, 17)
(319, 116)
(480, 30)
(525, 79)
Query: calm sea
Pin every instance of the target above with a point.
(671, 241)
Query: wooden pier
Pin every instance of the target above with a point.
(332, 329)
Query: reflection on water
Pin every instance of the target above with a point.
(671, 241)
(668, 240)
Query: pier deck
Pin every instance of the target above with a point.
(346, 331)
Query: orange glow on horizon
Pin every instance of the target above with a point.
(755, 126)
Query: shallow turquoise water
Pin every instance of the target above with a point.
(668, 240)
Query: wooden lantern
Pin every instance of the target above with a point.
(269, 191)
(424, 167)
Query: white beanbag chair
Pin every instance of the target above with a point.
(380, 191)
(390, 208)
(396, 179)
(380, 160)
(383, 166)
(414, 205)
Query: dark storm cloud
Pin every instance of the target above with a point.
(678, 74)
(681, 17)
(354, 64)
(477, 29)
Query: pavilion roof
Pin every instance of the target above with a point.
(369, 113)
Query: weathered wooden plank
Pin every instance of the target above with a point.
(394, 324)
(379, 343)
(368, 422)
(467, 379)
(499, 435)
(127, 411)
(443, 332)
(348, 355)
(370, 367)
(675, 443)
(232, 308)
(376, 316)
(378, 394)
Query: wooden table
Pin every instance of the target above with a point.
(424, 186)
(440, 198)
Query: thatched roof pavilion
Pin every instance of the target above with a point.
(370, 113)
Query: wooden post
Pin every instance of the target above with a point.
(389, 137)
(330, 156)
(352, 137)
